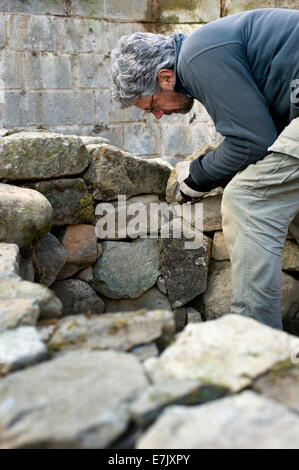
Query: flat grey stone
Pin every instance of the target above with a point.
(41, 155)
(113, 172)
(212, 219)
(184, 270)
(173, 179)
(20, 348)
(118, 331)
(230, 352)
(243, 421)
(127, 269)
(78, 297)
(152, 299)
(78, 400)
(131, 217)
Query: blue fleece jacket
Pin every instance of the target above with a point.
(244, 69)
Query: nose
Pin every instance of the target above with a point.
(158, 114)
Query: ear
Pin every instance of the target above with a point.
(165, 79)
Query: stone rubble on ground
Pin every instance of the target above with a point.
(118, 331)
(78, 400)
(229, 352)
(243, 421)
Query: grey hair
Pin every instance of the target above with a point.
(136, 61)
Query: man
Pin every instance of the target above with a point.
(244, 69)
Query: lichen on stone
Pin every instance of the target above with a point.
(85, 208)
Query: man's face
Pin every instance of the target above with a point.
(165, 102)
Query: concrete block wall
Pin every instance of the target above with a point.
(55, 68)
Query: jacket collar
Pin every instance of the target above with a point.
(178, 39)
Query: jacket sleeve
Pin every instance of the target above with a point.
(220, 78)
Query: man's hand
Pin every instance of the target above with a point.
(186, 190)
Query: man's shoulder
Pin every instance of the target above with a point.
(213, 34)
(235, 28)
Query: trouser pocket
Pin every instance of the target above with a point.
(288, 141)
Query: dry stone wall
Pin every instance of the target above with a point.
(127, 313)
(55, 69)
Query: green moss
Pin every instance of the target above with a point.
(80, 186)
(2, 228)
(169, 10)
(32, 236)
(122, 322)
(202, 394)
(170, 19)
(284, 365)
(42, 272)
(179, 5)
(84, 208)
(88, 314)
(280, 371)
(159, 395)
(57, 346)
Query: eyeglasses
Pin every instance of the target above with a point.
(151, 107)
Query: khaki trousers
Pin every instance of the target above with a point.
(258, 206)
